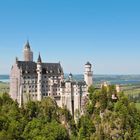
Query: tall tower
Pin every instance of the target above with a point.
(68, 96)
(88, 75)
(39, 78)
(28, 54)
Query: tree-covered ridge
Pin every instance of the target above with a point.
(105, 118)
(113, 119)
(37, 120)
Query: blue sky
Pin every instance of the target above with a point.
(104, 32)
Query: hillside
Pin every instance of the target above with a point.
(4, 87)
(104, 118)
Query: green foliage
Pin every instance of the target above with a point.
(35, 120)
(48, 108)
(37, 129)
(31, 110)
(138, 106)
(86, 128)
(91, 91)
(112, 120)
(104, 119)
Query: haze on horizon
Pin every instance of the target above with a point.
(106, 33)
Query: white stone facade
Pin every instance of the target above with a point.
(37, 80)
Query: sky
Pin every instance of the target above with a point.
(104, 32)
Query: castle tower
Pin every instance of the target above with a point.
(51, 86)
(88, 75)
(77, 106)
(39, 78)
(68, 94)
(28, 54)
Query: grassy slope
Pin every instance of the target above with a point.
(132, 90)
(4, 87)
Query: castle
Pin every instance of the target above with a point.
(37, 80)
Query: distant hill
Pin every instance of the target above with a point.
(112, 79)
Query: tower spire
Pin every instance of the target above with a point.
(39, 79)
(27, 45)
(39, 58)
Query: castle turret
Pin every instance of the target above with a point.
(39, 78)
(88, 75)
(70, 77)
(28, 54)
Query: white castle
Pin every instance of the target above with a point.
(37, 80)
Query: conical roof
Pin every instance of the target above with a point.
(88, 63)
(27, 45)
(39, 59)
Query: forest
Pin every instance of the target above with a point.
(104, 118)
